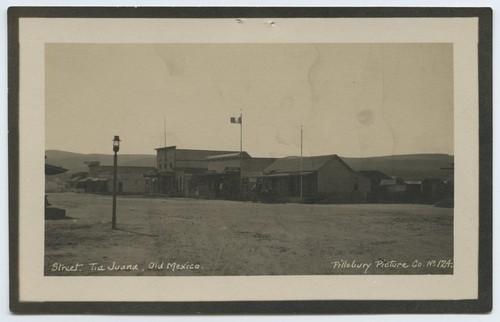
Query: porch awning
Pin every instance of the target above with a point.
(150, 175)
(94, 179)
(166, 174)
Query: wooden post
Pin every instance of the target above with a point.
(301, 167)
(113, 218)
(241, 150)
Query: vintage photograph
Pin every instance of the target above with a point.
(249, 159)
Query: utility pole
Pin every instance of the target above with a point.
(241, 149)
(240, 121)
(301, 167)
(165, 131)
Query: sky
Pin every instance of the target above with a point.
(354, 100)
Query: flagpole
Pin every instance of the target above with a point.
(241, 147)
(301, 166)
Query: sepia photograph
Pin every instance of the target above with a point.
(250, 160)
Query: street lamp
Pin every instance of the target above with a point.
(116, 148)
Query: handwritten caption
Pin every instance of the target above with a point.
(116, 266)
(366, 267)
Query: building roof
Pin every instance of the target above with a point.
(293, 164)
(392, 181)
(287, 174)
(52, 169)
(123, 167)
(235, 155)
(374, 174)
(166, 147)
(257, 164)
(95, 179)
(194, 154)
(198, 155)
(220, 165)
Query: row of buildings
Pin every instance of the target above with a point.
(217, 174)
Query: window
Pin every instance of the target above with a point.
(171, 163)
(159, 164)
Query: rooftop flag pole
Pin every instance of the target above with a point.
(301, 166)
(165, 131)
(239, 120)
(241, 145)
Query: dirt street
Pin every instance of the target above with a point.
(179, 236)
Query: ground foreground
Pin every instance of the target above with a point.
(209, 237)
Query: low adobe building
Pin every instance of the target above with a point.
(224, 175)
(130, 179)
(326, 179)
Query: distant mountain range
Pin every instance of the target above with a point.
(408, 167)
(74, 162)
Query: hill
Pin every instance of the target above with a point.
(408, 167)
(74, 162)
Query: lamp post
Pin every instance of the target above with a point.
(116, 148)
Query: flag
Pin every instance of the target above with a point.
(236, 120)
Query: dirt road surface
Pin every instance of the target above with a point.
(178, 236)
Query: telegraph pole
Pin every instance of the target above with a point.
(241, 149)
(301, 167)
(239, 120)
(164, 131)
